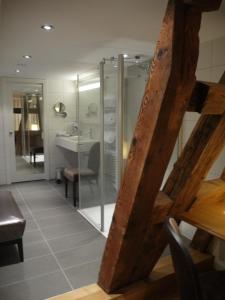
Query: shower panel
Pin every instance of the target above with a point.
(119, 94)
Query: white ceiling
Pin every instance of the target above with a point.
(85, 32)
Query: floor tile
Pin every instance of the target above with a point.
(61, 219)
(84, 274)
(29, 268)
(52, 212)
(37, 288)
(35, 250)
(65, 229)
(77, 245)
(45, 203)
(33, 185)
(24, 210)
(75, 240)
(30, 225)
(33, 195)
(81, 255)
(32, 236)
(7, 187)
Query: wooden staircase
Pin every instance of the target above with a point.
(131, 265)
(151, 288)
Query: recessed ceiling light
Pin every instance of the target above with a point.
(47, 27)
(27, 56)
(17, 70)
(125, 55)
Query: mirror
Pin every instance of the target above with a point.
(59, 108)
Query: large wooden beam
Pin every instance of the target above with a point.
(157, 287)
(223, 175)
(167, 93)
(208, 99)
(204, 5)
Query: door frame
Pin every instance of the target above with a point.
(7, 112)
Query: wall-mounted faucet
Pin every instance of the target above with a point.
(75, 127)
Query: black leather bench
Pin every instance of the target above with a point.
(12, 222)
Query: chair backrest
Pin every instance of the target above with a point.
(186, 272)
(94, 158)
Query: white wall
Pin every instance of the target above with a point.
(59, 91)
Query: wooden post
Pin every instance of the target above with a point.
(172, 79)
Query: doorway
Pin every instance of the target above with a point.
(26, 132)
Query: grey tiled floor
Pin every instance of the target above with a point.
(62, 250)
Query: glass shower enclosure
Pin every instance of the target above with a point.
(115, 94)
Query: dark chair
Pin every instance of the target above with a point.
(191, 284)
(33, 152)
(90, 173)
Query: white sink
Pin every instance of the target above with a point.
(75, 143)
(74, 137)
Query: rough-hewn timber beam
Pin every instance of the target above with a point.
(223, 175)
(204, 5)
(167, 93)
(161, 207)
(208, 99)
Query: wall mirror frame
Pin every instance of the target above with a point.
(25, 129)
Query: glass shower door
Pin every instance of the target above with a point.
(111, 143)
(89, 148)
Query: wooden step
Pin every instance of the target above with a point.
(208, 211)
(158, 287)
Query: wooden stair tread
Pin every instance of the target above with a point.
(162, 278)
(208, 211)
